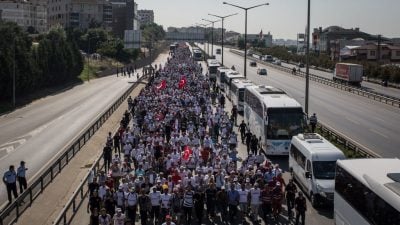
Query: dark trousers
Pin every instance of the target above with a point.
(290, 206)
(199, 213)
(303, 217)
(232, 211)
(155, 212)
(211, 208)
(22, 184)
(12, 187)
(187, 215)
(313, 127)
(143, 217)
(132, 213)
(107, 163)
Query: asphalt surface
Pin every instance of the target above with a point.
(368, 86)
(372, 124)
(38, 132)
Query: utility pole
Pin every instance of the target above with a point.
(14, 66)
(212, 35)
(307, 59)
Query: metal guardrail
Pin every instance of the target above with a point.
(350, 146)
(355, 90)
(70, 209)
(13, 211)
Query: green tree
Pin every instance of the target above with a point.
(152, 32)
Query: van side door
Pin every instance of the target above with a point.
(308, 174)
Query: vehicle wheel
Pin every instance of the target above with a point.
(313, 200)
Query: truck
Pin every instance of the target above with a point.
(268, 58)
(348, 73)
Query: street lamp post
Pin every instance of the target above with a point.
(204, 31)
(212, 35)
(222, 31)
(307, 59)
(14, 46)
(245, 30)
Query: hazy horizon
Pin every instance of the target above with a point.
(283, 18)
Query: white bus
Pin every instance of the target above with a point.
(197, 55)
(221, 71)
(212, 66)
(227, 78)
(367, 192)
(236, 92)
(312, 160)
(273, 116)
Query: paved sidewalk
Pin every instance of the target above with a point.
(48, 205)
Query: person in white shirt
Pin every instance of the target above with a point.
(155, 199)
(119, 217)
(131, 199)
(255, 201)
(165, 203)
(243, 200)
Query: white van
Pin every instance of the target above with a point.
(312, 160)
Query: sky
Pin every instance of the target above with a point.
(283, 18)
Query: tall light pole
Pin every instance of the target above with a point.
(222, 31)
(245, 30)
(212, 35)
(307, 59)
(14, 47)
(204, 31)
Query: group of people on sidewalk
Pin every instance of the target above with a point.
(175, 160)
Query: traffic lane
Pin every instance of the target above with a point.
(46, 145)
(372, 127)
(371, 117)
(388, 91)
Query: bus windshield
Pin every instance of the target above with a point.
(324, 170)
(213, 69)
(283, 123)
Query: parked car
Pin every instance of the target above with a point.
(300, 65)
(262, 71)
(253, 64)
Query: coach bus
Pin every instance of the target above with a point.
(273, 117)
(236, 92)
(212, 66)
(221, 71)
(197, 55)
(367, 192)
(227, 78)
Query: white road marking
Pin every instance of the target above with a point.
(353, 121)
(379, 133)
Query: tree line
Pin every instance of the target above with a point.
(42, 61)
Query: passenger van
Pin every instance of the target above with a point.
(312, 160)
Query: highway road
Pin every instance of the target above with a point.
(38, 132)
(372, 124)
(368, 86)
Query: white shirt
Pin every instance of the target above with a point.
(155, 198)
(131, 198)
(255, 196)
(243, 195)
(165, 201)
(119, 220)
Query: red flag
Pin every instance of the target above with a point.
(187, 152)
(162, 85)
(182, 82)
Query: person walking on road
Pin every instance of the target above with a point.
(242, 129)
(290, 191)
(107, 156)
(301, 208)
(21, 174)
(248, 141)
(10, 180)
(234, 112)
(313, 122)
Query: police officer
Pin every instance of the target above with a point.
(10, 179)
(313, 122)
(21, 174)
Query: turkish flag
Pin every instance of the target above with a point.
(182, 82)
(162, 85)
(187, 152)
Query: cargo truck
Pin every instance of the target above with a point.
(348, 73)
